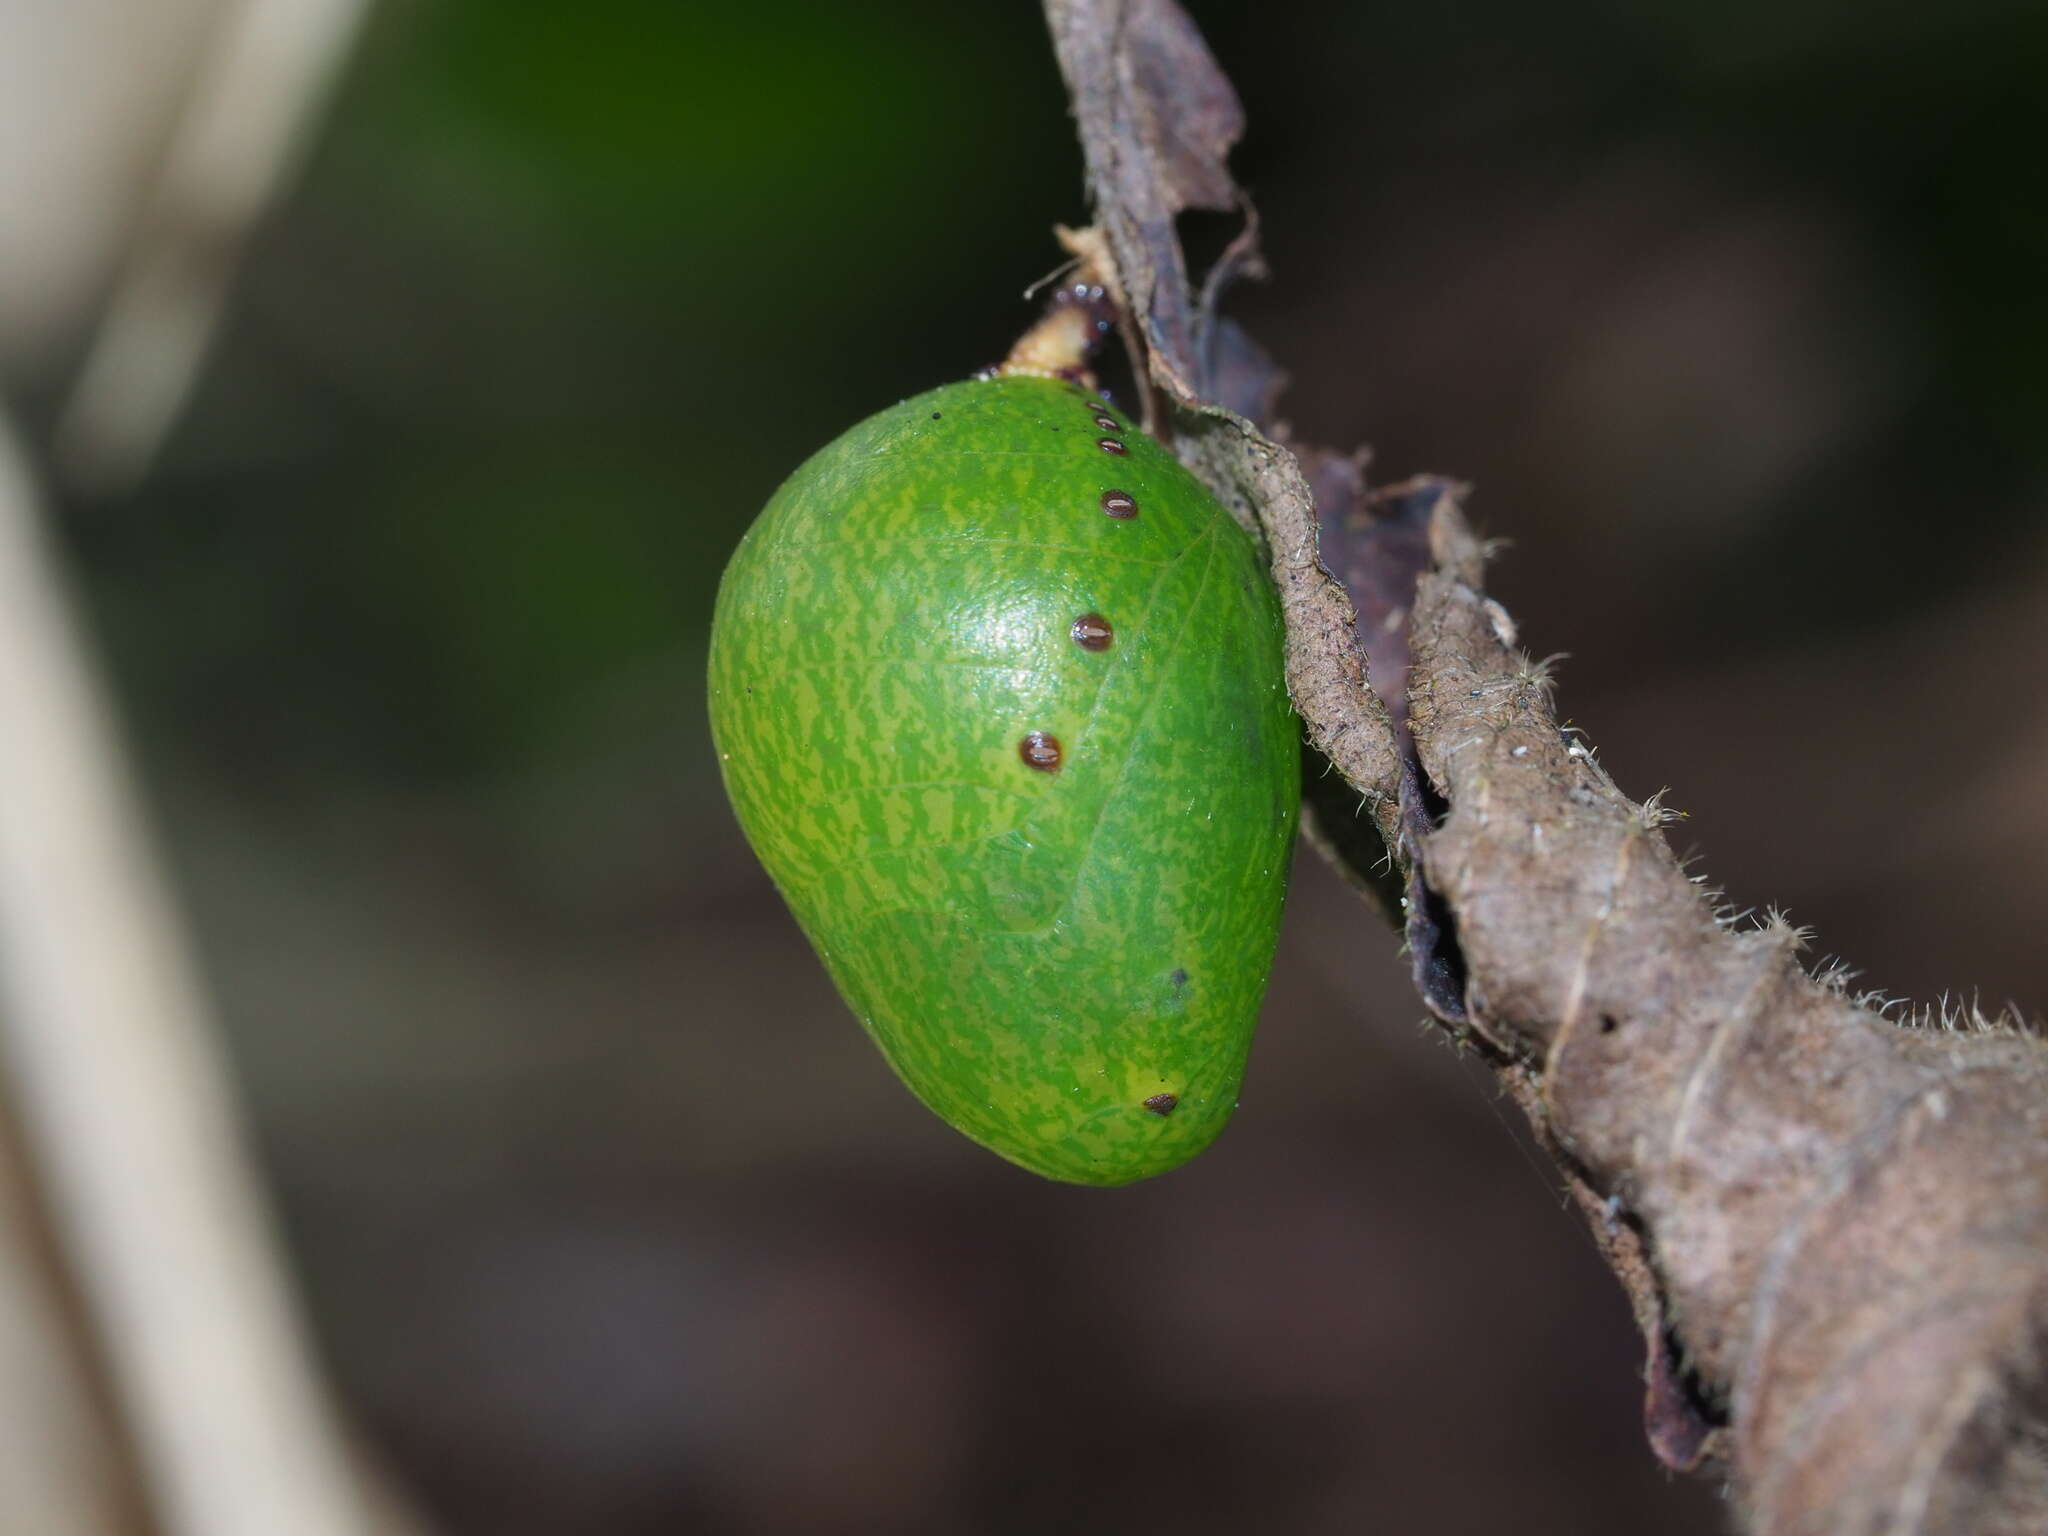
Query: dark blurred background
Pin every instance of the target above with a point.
(610, 1219)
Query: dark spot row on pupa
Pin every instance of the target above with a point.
(1041, 750)
(1117, 504)
(1103, 419)
(1162, 1103)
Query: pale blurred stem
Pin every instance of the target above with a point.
(65, 1469)
(125, 1110)
(260, 83)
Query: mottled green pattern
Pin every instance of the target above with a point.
(1036, 953)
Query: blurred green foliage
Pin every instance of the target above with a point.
(565, 293)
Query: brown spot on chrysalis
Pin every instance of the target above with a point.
(1109, 424)
(1162, 1103)
(1119, 504)
(1091, 632)
(1112, 445)
(1179, 978)
(1040, 750)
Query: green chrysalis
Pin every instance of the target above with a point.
(996, 688)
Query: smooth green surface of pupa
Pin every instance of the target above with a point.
(997, 692)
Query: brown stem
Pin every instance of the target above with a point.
(1834, 1228)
